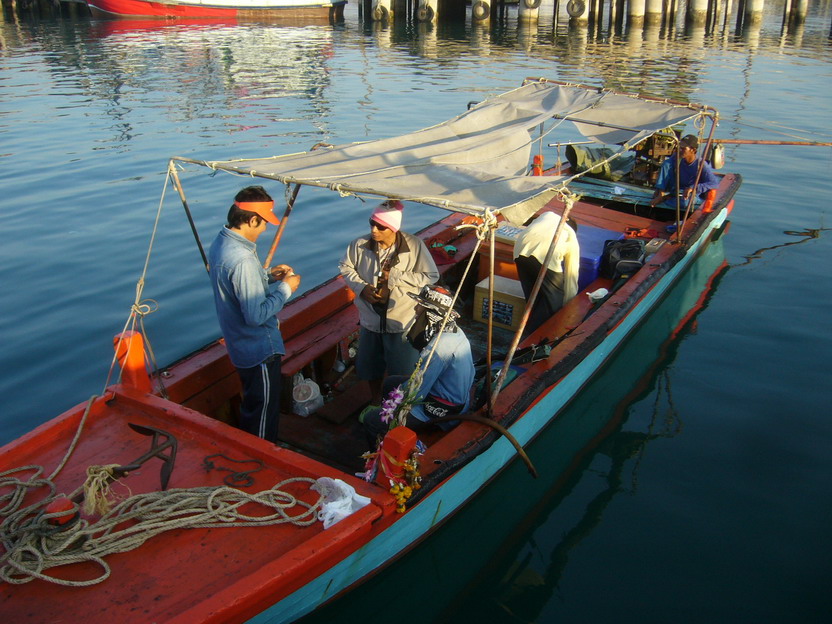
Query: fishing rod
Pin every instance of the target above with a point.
(759, 142)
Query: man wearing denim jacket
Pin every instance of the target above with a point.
(248, 298)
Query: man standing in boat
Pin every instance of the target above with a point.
(447, 368)
(665, 193)
(247, 298)
(382, 269)
(560, 283)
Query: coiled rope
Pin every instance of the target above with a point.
(33, 545)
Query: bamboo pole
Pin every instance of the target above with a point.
(691, 202)
(755, 142)
(492, 253)
(281, 227)
(530, 303)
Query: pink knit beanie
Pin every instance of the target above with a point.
(389, 214)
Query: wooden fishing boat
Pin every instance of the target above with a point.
(228, 530)
(220, 9)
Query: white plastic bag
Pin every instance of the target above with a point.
(306, 397)
(340, 500)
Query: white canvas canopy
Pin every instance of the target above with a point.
(479, 160)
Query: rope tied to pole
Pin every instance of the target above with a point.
(97, 489)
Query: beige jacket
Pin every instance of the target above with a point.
(411, 268)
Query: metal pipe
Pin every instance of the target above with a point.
(178, 186)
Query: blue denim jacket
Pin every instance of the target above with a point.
(450, 374)
(246, 302)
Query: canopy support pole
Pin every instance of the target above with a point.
(692, 200)
(178, 185)
(289, 204)
(678, 191)
(489, 338)
(600, 124)
(569, 202)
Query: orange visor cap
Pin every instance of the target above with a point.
(263, 209)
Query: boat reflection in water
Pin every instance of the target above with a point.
(495, 537)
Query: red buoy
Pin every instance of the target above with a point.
(537, 165)
(65, 509)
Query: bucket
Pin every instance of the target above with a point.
(306, 397)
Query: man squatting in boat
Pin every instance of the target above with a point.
(560, 283)
(247, 299)
(665, 193)
(446, 379)
(382, 269)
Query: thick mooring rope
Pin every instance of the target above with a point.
(33, 545)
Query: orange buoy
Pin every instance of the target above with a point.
(537, 165)
(129, 347)
(64, 508)
(708, 204)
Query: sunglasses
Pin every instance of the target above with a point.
(378, 226)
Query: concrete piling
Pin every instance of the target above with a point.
(653, 11)
(635, 13)
(600, 16)
(528, 10)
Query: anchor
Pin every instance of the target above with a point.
(64, 511)
(162, 441)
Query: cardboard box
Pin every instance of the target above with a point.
(507, 233)
(509, 302)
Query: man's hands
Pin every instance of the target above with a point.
(284, 273)
(379, 294)
(660, 196)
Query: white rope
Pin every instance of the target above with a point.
(33, 545)
(141, 308)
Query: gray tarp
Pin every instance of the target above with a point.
(478, 160)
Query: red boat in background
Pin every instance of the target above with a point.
(223, 9)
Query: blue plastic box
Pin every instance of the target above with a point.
(591, 241)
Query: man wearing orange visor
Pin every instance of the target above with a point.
(248, 298)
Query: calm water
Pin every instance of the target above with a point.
(708, 497)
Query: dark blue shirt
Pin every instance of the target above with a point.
(666, 181)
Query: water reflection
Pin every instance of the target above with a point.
(230, 59)
(803, 236)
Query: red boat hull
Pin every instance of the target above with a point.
(252, 10)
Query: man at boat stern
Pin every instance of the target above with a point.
(248, 298)
(382, 269)
(560, 282)
(666, 189)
